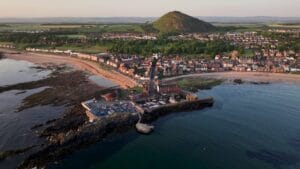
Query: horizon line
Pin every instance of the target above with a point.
(31, 17)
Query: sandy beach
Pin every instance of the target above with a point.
(248, 77)
(94, 68)
(126, 82)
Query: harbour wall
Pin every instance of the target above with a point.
(153, 114)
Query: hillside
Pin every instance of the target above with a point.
(179, 22)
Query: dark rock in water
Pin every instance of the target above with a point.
(21, 92)
(276, 158)
(36, 126)
(51, 121)
(6, 154)
(260, 83)
(73, 119)
(238, 81)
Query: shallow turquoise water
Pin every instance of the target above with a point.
(249, 127)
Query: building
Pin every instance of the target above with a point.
(109, 96)
(168, 89)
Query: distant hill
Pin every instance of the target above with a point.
(179, 22)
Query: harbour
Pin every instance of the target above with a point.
(237, 124)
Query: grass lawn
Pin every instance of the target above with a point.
(23, 27)
(123, 28)
(75, 27)
(295, 26)
(194, 84)
(73, 36)
(6, 43)
(85, 49)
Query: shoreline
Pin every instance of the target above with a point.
(125, 82)
(258, 77)
(79, 64)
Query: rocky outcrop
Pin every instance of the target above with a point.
(64, 142)
(10, 153)
(73, 131)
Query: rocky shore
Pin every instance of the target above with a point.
(60, 88)
(63, 141)
(10, 153)
(72, 131)
(63, 87)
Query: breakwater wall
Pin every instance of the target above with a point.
(153, 114)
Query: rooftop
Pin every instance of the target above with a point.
(100, 108)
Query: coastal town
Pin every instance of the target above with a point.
(251, 52)
(264, 56)
(148, 72)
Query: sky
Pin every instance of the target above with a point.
(144, 8)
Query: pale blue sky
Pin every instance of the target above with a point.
(110, 8)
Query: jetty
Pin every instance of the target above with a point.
(142, 127)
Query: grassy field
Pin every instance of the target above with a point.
(42, 27)
(23, 27)
(91, 49)
(291, 26)
(194, 84)
(66, 26)
(237, 27)
(123, 28)
(74, 27)
(73, 36)
(6, 43)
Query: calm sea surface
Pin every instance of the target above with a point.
(249, 127)
(15, 127)
(12, 72)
